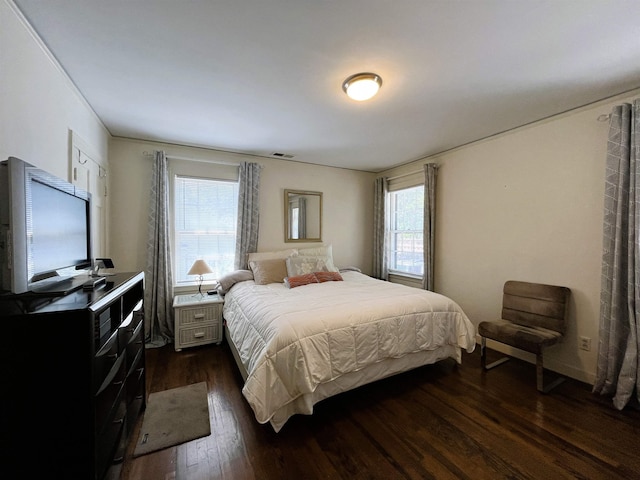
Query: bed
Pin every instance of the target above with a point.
(301, 342)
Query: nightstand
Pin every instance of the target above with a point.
(198, 320)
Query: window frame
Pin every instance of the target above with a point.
(197, 170)
(395, 185)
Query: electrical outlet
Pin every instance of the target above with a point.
(585, 343)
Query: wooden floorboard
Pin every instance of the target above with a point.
(443, 421)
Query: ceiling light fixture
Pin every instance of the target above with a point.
(362, 86)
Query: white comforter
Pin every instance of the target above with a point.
(292, 340)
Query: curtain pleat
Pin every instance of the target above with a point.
(158, 294)
(430, 174)
(248, 213)
(617, 366)
(380, 268)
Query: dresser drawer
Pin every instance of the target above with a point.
(108, 441)
(129, 327)
(135, 394)
(105, 359)
(109, 392)
(135, 345)
(195, 315)
(202, 334)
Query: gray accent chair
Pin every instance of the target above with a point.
(534, 316)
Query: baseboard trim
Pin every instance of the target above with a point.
(549, 363)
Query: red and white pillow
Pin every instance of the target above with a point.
(309, 278)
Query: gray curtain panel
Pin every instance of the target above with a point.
(248, 213)
(380, 267)
(430, 174)
(158, 293)
(617, 368)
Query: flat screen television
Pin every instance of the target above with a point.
(45, 224)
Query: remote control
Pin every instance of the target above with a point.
(93, 283)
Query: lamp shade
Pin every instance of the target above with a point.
(362, 86)
(199, 267)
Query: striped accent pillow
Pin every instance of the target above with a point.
(328, 276)
(299, 280)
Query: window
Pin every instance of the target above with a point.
(293, 228)
(205, 215)
(406, 225)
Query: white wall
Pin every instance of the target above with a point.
(347, 201)
(39, 106)
(527, 205)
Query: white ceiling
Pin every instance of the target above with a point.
(260, 77)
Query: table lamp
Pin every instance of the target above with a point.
(199, 268)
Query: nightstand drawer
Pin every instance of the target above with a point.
(198, 320)
(191, 316)
(196, 335)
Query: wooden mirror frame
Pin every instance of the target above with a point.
(313, 226)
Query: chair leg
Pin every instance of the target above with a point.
(483, 356)
(539, 377)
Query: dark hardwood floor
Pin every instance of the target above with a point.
(443, 421)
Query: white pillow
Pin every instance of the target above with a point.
(324, 253)
(303, 265)
(257, 256)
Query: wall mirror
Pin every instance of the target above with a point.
(302, 216)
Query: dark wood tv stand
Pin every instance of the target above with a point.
(73, 374)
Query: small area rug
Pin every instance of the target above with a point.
(173, 417)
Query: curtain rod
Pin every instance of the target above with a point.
(413, 172)
(405, 174)
(176, 157)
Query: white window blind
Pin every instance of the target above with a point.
(205, 213)
(406, 227)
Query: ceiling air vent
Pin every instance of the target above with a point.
(281, 155)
